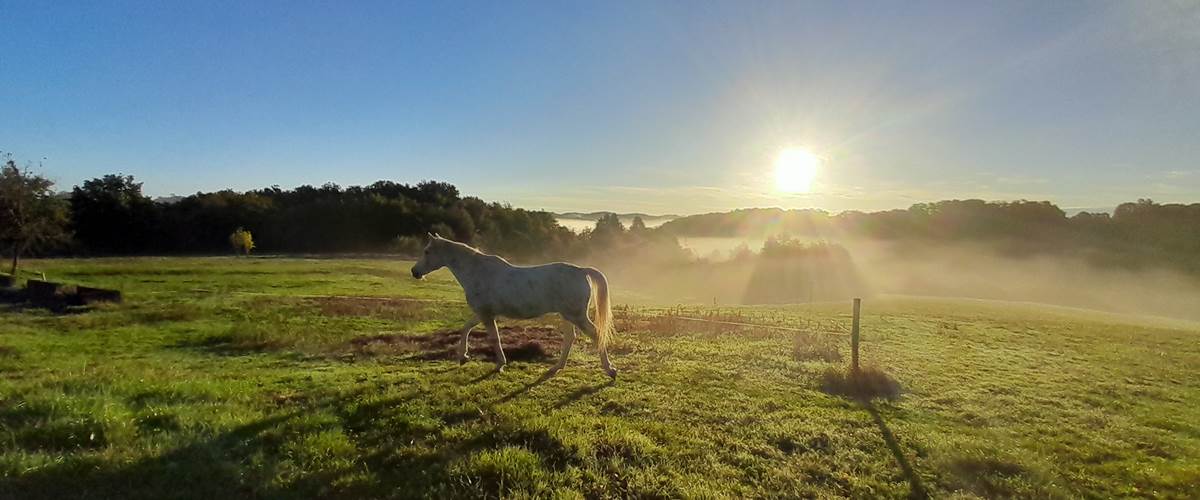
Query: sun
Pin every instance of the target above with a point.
(795, 170)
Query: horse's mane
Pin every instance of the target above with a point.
(465, 249)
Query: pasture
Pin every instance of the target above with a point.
(332, 378)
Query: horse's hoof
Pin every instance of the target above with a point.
(462, 360)
(612, 372)
(550, 373)
(499, 368)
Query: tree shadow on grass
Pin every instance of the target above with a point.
(206, 468)
(398, 444)
(247, 461)
(224, 345)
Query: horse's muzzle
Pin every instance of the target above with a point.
(416, 274)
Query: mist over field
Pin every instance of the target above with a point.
(975, 271)
(873, 267)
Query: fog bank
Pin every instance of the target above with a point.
(872, 267)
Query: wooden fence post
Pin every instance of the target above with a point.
(854, 336)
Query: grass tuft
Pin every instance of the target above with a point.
(987, 476)
(63, 435)
(866, 383)
(814, 347)
(501, 472)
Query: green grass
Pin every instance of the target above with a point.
(231, 378)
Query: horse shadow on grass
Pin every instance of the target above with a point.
(470, 415)
(583, 392)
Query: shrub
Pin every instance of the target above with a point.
(241, 241)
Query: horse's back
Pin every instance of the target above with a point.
(531, 291)
(557, 279)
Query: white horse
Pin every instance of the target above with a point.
(496, 288)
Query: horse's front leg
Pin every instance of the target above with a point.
(490, 323)
(466, 335)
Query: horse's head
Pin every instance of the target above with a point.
(432, 258)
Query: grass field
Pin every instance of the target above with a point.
(263, 377)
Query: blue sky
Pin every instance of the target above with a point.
(651, 106)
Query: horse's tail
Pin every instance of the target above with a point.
(604, 323)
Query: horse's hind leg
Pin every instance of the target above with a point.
(568, 340)
(466, 335)
(589, 328)
(490, 323)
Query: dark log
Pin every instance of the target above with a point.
(85, 295)
(44, 290)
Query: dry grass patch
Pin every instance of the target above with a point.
(815, 347)
(673, 323)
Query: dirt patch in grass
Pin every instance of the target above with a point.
(393, 309)
(521, 343)
(865, 384)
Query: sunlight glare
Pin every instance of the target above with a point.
(795, 170)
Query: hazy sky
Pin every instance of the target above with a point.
(652, 106)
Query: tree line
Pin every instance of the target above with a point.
(110, 215)
(1136, 234)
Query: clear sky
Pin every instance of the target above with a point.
(677, 107)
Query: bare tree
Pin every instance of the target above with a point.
(30, 214)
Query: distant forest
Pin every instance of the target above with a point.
(1136, 234)
(111, 216)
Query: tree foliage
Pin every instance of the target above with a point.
(30, 215)
(110, 215)
(242, 241)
